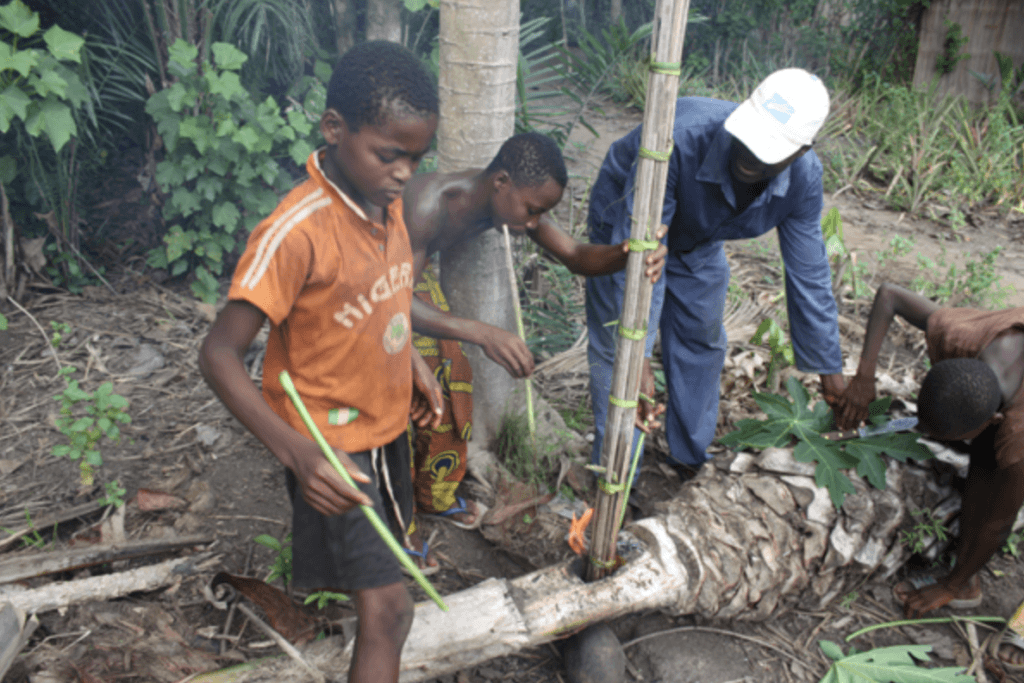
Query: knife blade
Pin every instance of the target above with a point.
(901, 424)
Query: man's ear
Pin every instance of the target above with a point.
(501, 180)
(333, 126)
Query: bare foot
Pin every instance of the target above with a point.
(917, 602)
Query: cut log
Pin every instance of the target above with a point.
(40, 564)
(731, 544)
(14, 634)
(98, 588)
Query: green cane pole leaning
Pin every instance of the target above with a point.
(371, 514)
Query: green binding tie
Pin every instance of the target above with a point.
(643, 245)
(657, 156)
(633, 334)
(622, 403)
(667, 68)
(601, 564)
(610, 488)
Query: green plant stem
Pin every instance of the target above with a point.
(908, 622)
(632, 473)
(371, 514)
(522, 332)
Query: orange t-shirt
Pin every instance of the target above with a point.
(337, 289)
(964, 333)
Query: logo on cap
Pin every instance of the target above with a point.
(779, 108)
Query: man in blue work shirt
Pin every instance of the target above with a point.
(736, 171)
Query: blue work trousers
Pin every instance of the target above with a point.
(693, 346)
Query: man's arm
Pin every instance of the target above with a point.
(220, 361)
(890, 300)
(583, 258)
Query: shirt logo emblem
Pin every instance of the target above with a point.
(396, 333)
(779, 108)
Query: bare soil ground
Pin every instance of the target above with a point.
(223, 483)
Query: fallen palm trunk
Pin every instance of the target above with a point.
(50, 562)
(99, 588)
(743, 540)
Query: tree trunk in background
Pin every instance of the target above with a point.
(479, 46)
(616, 11)
(384, 20)
(345, 24)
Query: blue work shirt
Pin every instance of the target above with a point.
(700, 207)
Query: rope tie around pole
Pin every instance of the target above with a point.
(643, 245)
(657, 156)
(631, 333)
(667, 68)
(622, 403)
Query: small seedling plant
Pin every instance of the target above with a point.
(85, 419)
(282, 564)
(324, 598)
(926, 526)
(792, 420)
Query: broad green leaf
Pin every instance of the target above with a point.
(176, 97)
(897, 446)
(415, 5)
(81, 424)
(879, 406)
(798, 392)
(830, 461)
(247, 138)
(179, 267)
(183, 53)
(832, 224)
(75, 92)
(49, 82)
(896, 664)
(831, 650)
(178, 242)
(322, 70)
(196, 129)
(61, 450)
(774, 405)
(64, 45)
(17, 18)
(227, 56)
(169, 174)
(771, 434)
(226, 215)
(870, 464)
(300, 151)
(53, 118)
(21, 61)
(93, 457)
(226, 85)
(186, 202)
(210, 188)
(13, 102)
(268, 542)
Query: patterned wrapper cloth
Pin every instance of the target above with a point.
(439, 463)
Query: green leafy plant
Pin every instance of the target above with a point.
(952, 48)
(849, 599)
(220, 170)
(86, 418)
(113, 494)
(3, 323)
(781, 348)
(33, 539)
(59, 332)
(792, 420)
(323, 598)
(1012, 545)
(282, 564)
(895, 664)
(978, 283)
(926, 527)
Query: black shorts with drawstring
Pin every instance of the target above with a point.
(344, 552)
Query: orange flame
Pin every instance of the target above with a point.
(576, 528)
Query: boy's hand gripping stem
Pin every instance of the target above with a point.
(371, 514)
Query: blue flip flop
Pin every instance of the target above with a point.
(422, 554)
(460, 508)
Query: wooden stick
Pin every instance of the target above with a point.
(282, 643)
(522, 335)
(39, 327)
(49, 520)
(656, 136)
(41, 564)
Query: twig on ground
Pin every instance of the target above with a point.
(35, 322)
(285, 646)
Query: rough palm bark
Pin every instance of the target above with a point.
(384, 20)
(345, 24)
(479, 46)
(749, 538)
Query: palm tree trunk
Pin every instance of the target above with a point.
(479, 47)
(344, 24)
(384, 20)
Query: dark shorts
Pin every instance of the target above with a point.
(344, 552)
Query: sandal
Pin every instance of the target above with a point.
(422, 554)
(1008, 648)
(460, 507)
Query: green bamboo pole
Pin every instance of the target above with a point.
(522, 333)
(371, 514)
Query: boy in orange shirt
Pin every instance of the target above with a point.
(332, 269)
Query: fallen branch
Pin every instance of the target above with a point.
(54, 518)
(282, 643)
(14, 634)
(41, 564)
(101, 588)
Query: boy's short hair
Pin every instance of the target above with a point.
(957, 396)
(374, 76)
(530, 159)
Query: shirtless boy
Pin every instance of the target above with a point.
(524, 181)
(974, 392)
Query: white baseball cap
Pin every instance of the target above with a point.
(783, 114)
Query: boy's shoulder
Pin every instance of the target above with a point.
(300, 208)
